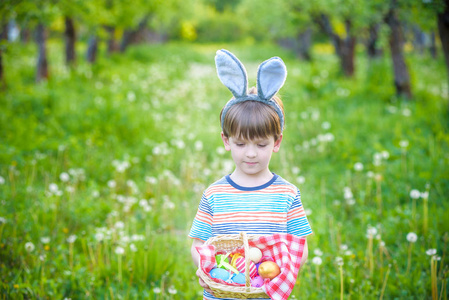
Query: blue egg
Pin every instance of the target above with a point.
(239, 278)
(219, 273)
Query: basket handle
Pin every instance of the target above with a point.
(246, 247)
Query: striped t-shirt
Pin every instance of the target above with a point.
(228, 208)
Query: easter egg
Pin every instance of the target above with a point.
(240, 265)
(269, 269)
(234, 258)
(255, 255)
(220, 274)
(257, 281)
(239, 278)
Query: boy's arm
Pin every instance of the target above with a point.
(196, 261)
(194, 253)
(305, 254)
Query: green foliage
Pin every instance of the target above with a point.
(102, 168)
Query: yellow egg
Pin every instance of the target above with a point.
(269, 269)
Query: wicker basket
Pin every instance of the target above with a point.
(229, 242)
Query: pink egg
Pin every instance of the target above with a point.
(257, 281)
(240, 265)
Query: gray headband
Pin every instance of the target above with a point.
(271, 76)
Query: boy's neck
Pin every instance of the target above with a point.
(247, 180)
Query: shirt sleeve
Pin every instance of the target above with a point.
(297, 223)
(202, 223)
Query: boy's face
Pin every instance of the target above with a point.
(251, 157)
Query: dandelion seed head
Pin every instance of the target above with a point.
(150, 179)
(29, 247)
(2, 220)
(221, 150)
(45, 240)
(318, 252)
(64, 177)
(119, 225)
(119, 250)
(317, 260)
(358, 166)
(415, 194)
(403, 144)
(412, 237)
(156, 290)
(326, 125)
(172, 290)
(2, 180)
(300, 179)
(112, 184)
(198, 145)
(371, 232)
(71, 239)
(295, 170)
(431, 252)
(339, 260)
(53, 188)
(424, 195)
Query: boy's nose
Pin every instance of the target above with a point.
(250, 152)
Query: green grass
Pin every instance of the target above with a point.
(114, 157)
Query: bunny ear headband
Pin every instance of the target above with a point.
(270, 78)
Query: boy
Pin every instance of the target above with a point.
(251, 199)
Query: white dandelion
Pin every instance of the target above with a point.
(412, 237)
(415, 194)
(119, 250)
(112, 184)
(64, 177)
(29, 247)
(431, 252)
(71, 239)
(358, 166)
(317, 260)
(45, 240)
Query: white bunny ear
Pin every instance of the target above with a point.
(232, 73)
(270, 77)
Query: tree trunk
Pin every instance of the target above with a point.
(396, 41)
(347, 51)
(443, 30)
(344, 46)
(371, 44)
(433, 46)
(25, 35)
(92, 49)
(304, 40)
(112, 43)
(42, 62)
(3, 37)
(130, 35)
(70, 39)
(419, 40)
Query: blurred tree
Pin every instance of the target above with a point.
(38, 14)
(221, 5)
(286, 22)
(396, 41)
(71, 10)
(344, 21)
(443, 29)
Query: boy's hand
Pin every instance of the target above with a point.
(203, 284)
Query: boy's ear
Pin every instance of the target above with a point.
(225, 142)
(277, 144)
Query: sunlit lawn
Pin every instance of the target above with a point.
(102, 169)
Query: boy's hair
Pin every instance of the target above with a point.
(251, 119)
